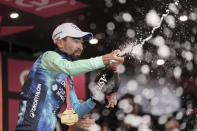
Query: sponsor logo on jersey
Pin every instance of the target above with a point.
(54, 87)
(61, 93)
(35, 102)
(62, 82)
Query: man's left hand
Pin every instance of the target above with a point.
(112, 100)
(84, 123)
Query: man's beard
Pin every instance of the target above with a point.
(73, 57)
(76, 57)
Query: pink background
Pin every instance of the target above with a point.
(46, 12)
(15, 67)
(0, 95)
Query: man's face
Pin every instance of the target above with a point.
(73, 47)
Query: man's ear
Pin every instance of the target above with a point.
(59, 44)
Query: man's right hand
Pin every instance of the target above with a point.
(112, 59)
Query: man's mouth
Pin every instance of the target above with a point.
(78, 52)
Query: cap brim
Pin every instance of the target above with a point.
(85, 35)
(88, 36)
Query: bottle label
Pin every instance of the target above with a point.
(102, 81)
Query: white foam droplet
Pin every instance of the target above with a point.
(152, 18)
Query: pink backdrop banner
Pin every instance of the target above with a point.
(0, 20)
(17, 73)
(45, 8)
(13, 109)
(80, 86)
(8, 30)
(1, 99)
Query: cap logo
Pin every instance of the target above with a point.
(57, 34)
(75, 27)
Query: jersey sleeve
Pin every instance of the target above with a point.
(54, 62)
(81, 109)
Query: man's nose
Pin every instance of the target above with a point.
(81, 46)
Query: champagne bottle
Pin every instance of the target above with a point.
(107, 82)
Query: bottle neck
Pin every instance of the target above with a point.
(113, 68)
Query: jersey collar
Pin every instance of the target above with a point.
(64, 55)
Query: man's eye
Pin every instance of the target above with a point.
(78, 41)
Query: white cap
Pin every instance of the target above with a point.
(71, 30)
